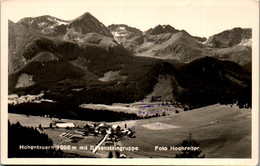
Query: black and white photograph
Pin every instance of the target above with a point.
(129, 82)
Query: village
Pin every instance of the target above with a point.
(109, 136)
(94, 138)
(14, 99)
(96, 129)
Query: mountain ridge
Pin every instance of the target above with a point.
(120, 63)
(229, 38)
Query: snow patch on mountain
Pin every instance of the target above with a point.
(246, 42)
(59, 22)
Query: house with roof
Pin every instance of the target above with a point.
(64, 125)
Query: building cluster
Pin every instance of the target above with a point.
(96, 129)
(15, 99)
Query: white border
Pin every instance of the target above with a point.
(165, 161)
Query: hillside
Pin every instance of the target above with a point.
(43, 24)
(218, 129)
(160, 86)
(166, 42)
(160, 29)
(221, 130)
(178, 46)
(18, 37)
(229, 38)
(50, 61)
(161, 41)
(127, 67)
(241, 54)
(87, 23)
(129, 37)
(72, 30)
(202, 82)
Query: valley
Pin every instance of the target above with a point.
(222, 131)
(85, 84)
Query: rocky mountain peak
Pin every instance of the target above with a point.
(87, 23)
(171, 29)
(159, 29)
(43, 24)
(229, 38)
(156, 30)
(124, 29)
(84, 17)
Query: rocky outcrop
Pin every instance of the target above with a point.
(229, 38)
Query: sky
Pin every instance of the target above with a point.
(198, 17)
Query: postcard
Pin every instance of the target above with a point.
(110, 82)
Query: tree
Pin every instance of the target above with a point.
(125, 125)
(110, 155)
(20, 136)
(152, 100)
(40, 127)
(18, 124)
(117, 154)
(164, 113)
(190, 142)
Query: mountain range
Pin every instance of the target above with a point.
(82, 60)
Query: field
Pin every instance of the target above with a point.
(221, 130)
(141, 109)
